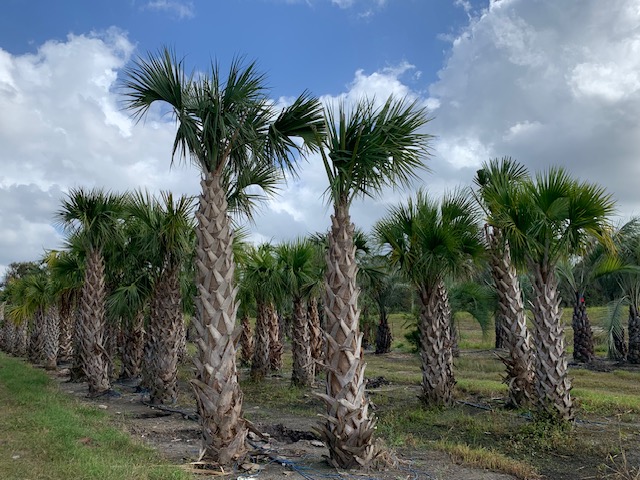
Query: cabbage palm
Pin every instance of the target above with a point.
(298, 272)
(260, 277)
(365, 149)
(93, 218)
(545, 221)
(224, 126)
(494, 181)
(163, 229)
(430, 241)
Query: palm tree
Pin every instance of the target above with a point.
(297, 268)
(260, 276)
(430, 241)
(364, 150)
(93, 218)
(163, 231)
(494, 181)
(545, 221)
(627, 244)
(224, 127)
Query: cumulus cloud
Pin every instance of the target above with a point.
(548, 85)
(62, 126)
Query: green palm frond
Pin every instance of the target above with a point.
(429, 240)
(369, 148)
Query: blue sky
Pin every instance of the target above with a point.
(315, 45)
(545, 82)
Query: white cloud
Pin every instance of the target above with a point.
(548, 84)
(181, 9)
(62, 126)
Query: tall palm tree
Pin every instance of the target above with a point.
(546, 220)
(224, 126)
(365, 149)
(93, 218)
(430, 241)
(297, 268)
(494, 181)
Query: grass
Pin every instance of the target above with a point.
(45, 435)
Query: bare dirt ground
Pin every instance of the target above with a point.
(288, 450)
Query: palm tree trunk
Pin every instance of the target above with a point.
(275, 340)
(316, 337)
(260, 362)
(94, 357)
(445, 313)
(553, 386)
(51, 338)
(216, 387)
(348, 431)
(499, 329)
(583, 350)
(435, 347)
(246, 341)
(181, 346)
(77, 368)
(36, 338)
(511, 316)
(21, 339)
(302, 374)
(162, 337)
(5, 331)
(132, 350)
(633, 355)
(65, 339)
(383, 334)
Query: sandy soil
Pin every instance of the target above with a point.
(288, 449)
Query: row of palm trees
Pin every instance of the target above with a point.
(237, 137)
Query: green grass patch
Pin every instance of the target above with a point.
(45, 435)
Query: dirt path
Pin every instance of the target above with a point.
(289, 450)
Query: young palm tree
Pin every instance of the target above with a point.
(430, 241)
(494, 181)
(163, 236)
(298, 271)
(93, 217)
(364, 150)
(224, 126)
(260, 276)
(545, 221)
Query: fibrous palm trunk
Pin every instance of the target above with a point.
(316, 337)
(51, 338)
(633, 355)
(446, 313)
(5, 331)
(553, 387)
(21, 339)
(36, 338)
(216, 387)
(348, 431)
(95, 363)
(583, 350)
(165, 317)
(302, 373)
(77, 368)
(511, 316)
(276, 348)
(260, 362)
(181, 346)
(65, 339)
(383, 334)
(246, 341)
(435, 347)
(133, 347)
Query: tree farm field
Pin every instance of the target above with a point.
(49, 430)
